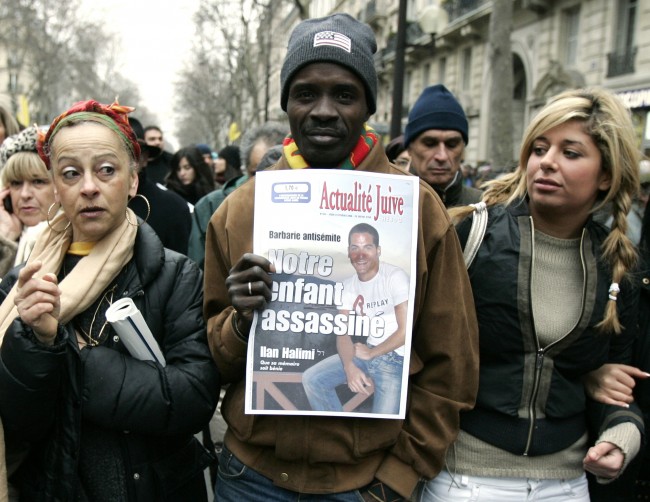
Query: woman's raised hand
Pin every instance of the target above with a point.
(38, 301)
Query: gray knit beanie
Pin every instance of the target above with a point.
(436, 108)
(338, 39)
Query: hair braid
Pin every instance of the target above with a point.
(621, 254)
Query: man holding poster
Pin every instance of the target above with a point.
(329, 90)
(379, 291)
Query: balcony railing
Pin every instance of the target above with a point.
(459, 8)
(621, 63)
(413, 34)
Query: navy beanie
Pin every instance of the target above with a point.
(338, 39)
(204, 149)
(436, 108)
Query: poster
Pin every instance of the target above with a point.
(335, 338)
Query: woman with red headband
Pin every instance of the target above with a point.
(84, 420)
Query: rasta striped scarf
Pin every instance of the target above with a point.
(367, 141)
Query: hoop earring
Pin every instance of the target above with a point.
(49, 210)
(146, 201)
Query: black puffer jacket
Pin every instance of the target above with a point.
(46, 392)
(531, 399)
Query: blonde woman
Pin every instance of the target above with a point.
(553, 303)
(27, 194)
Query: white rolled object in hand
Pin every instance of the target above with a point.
(132, 329)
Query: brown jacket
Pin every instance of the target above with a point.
(334, 454)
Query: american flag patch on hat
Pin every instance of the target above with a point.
(334, 39)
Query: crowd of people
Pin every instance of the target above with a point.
(530, 349)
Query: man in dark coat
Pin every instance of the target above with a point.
(435, 136)
(159, 161)
(166, 211)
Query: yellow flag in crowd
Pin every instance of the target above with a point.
(23, 111)
(233, 132)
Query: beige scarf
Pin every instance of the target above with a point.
(79, 289)
(27, 241)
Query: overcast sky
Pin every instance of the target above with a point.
(156, 36)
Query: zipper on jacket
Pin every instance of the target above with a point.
(539, 364)
(132, 294)
(539, 359)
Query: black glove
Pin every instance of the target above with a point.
(378, 491)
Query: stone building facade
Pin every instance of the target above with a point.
(556, 44)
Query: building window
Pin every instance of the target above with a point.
(621, 60)
(626, 24)
(519, 81)
(466, 68)
(406, 96)
(571, 25)
(411, 11)
(426, 75)
(442, 69)
(460, 8)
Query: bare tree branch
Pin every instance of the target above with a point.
(58, 57)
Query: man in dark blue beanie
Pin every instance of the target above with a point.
(435, 136)
(329, 90)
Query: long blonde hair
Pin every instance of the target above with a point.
(609, 124)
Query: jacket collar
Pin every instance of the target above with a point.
(451, 194)
(520, 208)
(233, 183)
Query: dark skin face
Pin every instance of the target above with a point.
(327, 109)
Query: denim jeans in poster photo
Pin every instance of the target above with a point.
(321, 380)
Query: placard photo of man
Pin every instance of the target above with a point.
(378, 292)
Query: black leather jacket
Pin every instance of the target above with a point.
(46, 392)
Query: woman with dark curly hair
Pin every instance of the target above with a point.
(190, 177)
